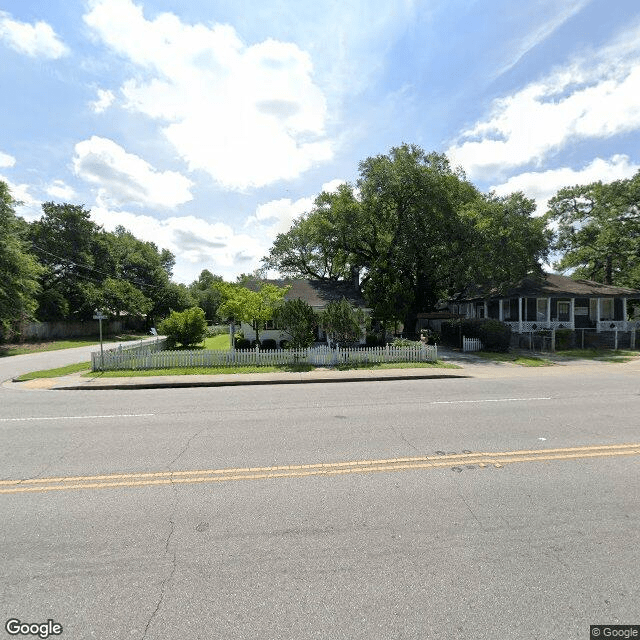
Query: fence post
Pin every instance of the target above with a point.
(615, 344)
(553, 340)
(632, 339)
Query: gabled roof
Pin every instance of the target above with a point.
(554, 286)
(317, 293)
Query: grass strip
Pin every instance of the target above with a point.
(57, 345)
(523, 361)
(300, 368)
(54, 373)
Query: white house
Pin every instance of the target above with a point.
(316, 293)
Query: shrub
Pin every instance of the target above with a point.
(374, 340)
(431, 336)
(255, 343)
(299, 320)
(186, 327)
(269, 344)
(495, 335)
(563, 338)
(217, 330)
(404, 342)
(284, 344)
(242, 343)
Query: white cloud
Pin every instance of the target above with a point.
(196, 243)
(104, 101)
(248, 115)
(35, 40)
(543, 185)
(30, 207)
(61, 191)
(126, 178)
(6, 160)
(594, 97)
(276, 216)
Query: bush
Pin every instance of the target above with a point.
(217, 330)
(404, 342)
(284, 344)
(564, 338)
(187, 327)
(374, 340)
(269, 344)
(431, 336)
(255, 343)
(242, 343)
(495, 335)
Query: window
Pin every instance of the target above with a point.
(542, 304)
(564, 311)
(606, 308)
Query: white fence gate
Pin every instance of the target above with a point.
(471, 344)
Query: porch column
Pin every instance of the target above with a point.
(520, 315)
(548, 312)
(597, 314)
(500, 310)
(572, 317)
(624, 309)
(486, 309)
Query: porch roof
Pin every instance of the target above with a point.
(553, 286)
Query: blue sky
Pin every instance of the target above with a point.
(208, 128)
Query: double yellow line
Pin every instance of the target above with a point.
(486, 459)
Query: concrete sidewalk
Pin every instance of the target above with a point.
(468, 367)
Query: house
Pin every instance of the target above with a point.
(555, 302)
(318, 294)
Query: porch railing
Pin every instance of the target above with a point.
(617, 325)
(537, 325)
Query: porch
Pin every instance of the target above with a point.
(526, 314)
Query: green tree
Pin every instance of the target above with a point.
(343, 324)
(188, 327)
(598, 231)
(62, 241)
(299, 320)
(120, 296)
(246, 305)
(19, 280)
(415, 229)
(207, 296)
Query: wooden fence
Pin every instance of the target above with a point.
(144, 358)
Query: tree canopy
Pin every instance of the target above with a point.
(416, 230)
(243, 304)
(20, 270)
(598, 231)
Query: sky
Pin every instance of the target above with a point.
(208, 126)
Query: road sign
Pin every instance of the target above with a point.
(99, 316)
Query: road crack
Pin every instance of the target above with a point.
(164, 586)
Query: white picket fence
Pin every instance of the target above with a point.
(144, 359)
(471, 344)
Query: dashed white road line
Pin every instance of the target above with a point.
(115, 415)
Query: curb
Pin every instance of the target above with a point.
(239, 383)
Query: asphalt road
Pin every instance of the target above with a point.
(107, 530)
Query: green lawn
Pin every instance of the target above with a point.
(219, 343)
(606, 355)
(55, 345)
(522, 360)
